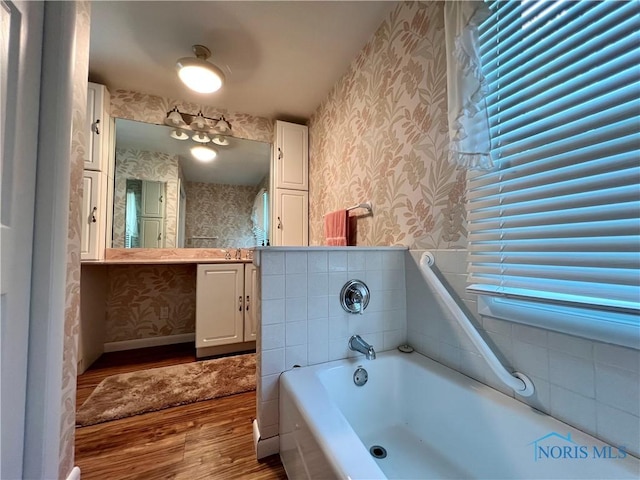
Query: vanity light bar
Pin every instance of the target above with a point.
(198, 122)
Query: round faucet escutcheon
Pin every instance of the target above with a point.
(354, 296)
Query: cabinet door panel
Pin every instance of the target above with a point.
(97, 127)
(292, 156)
(251, 307)
(151, 232)
(219, 305)
(152, 199)
(291, 224)
(91, 216)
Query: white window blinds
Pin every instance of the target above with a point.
(558, 219)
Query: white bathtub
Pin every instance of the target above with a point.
(434, 423)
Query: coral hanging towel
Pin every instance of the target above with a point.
(336, 228)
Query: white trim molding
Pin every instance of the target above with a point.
(74, 474)
(264, 447)
(149, 342)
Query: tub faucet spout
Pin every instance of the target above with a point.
(357, 344)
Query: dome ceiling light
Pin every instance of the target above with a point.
(203, 153)
(198, 74)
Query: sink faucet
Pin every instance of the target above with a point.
(357, 344)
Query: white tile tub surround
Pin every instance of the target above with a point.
(302, 321)
(591, 385)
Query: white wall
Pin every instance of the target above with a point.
(302, 320)
(591, 385)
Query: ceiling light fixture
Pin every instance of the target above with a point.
(198, 74)
(203, 153)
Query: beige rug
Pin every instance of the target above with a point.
(120, 396)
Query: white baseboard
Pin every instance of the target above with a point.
(74, 474)
(149, 342)
(264, 446)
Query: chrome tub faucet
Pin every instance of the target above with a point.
(357, 344)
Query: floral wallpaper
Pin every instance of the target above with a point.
(147, 108)
(137, 294)
(222, 211)
(79, 144)
(381, 136)
(150, 166)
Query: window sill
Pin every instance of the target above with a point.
(610, 327)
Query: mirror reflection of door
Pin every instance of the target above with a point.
(144, 214)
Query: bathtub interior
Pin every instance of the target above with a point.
(437, 423)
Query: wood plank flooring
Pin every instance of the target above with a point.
(203, 440)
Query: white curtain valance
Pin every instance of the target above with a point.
(470, 143)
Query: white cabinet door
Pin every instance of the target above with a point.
(97, 127)
(292, 156)
(291, 222)
(93, 216)
(219, 305)
(151, 232)
(251, 300)
(152, 199)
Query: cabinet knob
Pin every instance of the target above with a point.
(279, 153)
(279, 224)
(247, 303)
(96, 127)
(93, 215)
(240, 303)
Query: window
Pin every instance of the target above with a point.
(558, 219)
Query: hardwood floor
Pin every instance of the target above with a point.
(203, 440)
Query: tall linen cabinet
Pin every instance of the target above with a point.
(290, 188)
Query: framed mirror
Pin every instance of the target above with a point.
(164, 197)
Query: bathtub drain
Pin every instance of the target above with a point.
(378, 452)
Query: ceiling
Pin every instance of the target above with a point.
(280, 58)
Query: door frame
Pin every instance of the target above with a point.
(51, 247)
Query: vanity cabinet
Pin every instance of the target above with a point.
(97, 177)
(290, 214)
(225, 307)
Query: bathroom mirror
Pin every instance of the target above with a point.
(165, 198)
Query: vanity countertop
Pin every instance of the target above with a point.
(174, 255)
